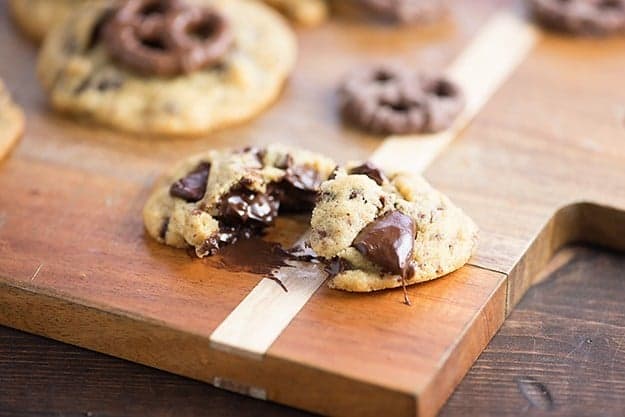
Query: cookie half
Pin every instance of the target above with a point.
(37, 17)
(219, 197)
(11, 122)
(81, 77)
(379, 232)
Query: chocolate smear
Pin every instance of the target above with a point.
(192, 187)
(388, 242)
(255, 256)
(371, 171)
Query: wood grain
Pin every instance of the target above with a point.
(560, 352)
(542, 342)
(77, 266)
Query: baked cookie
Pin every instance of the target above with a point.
(390, 99)
(167, 66)
(11, 122)
(379, 232)
(37, 17)
(584, 17)
(216, 198)
(404, 11)
(304, 12)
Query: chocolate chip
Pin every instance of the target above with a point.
(192, 187)
(388, 242)
(371, 171)
(164, 227)
(108, 84)
(96, 31)
(337, 265)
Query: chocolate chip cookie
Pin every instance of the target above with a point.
(377, 231)
(219, 197)
(167, 66)
(390, 99)
(11, 122)
(404, 11)
(304, 12)
(37, 17)
(583, 17)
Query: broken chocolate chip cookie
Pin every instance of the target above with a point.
(219, 197)
(378, 230)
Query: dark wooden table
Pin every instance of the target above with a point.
(561, 352)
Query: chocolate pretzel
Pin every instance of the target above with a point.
(585, 17)
(166, 37)
(393, 100)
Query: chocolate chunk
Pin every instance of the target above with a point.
(164, 227)
(336, 266)
(192, 187)
(298, 188)
(241, 205)
(108, 84)
(371, 171)
(388, 242)
(96, 31)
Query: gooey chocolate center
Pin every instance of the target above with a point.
(388, 242)
(243, 213)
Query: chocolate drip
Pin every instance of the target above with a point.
(388, 242)
(192, 187)
(371, 171)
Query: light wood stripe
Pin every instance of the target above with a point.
(492, 56)
(486, 63)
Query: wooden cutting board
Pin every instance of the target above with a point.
(542, 165)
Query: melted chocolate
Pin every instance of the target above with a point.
(337, 265)
(298, 188)
(192, 187)
(255, 256)
(388, 242)
(241, 205)
(371, 171)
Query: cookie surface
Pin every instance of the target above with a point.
(583, 17)
(305, 12)
(81, 77)
(11, 122)
(366, 225)
(216, 198)
(37, 17)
